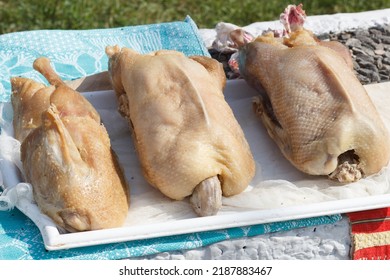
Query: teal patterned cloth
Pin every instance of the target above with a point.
(20, 239)
(75, 54)
(78, 53)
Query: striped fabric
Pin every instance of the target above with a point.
(370, 234)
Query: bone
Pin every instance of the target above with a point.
(206, 199)
(42, 65)
(347, 173)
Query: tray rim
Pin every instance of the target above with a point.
(54, 240)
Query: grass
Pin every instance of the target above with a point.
(20, 15)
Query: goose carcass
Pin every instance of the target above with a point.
(313, 105)
(188, 141)
(66, 154)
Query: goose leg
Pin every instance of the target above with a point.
(206, 199)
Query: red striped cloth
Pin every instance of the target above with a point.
(370, 232)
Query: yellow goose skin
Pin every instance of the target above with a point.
(187, 138)
(66, 155)
(314, 107)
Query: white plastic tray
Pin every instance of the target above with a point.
(278, 191)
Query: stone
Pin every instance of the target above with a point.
(368, 50)
(365, 72)
(375, 78)
(345, 36)
(323, 37)
(353, 43)
(384, 77)
(358, 51)
(355, 65)
(363, 79)
(364, 57)
(385, 39)
(376, 30)
(386, 29)
(368, 65)
(386, 60)
(362, 33)
(367, 42)
(379, 63)
(380, 52)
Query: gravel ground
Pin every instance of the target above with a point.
(370, 50)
